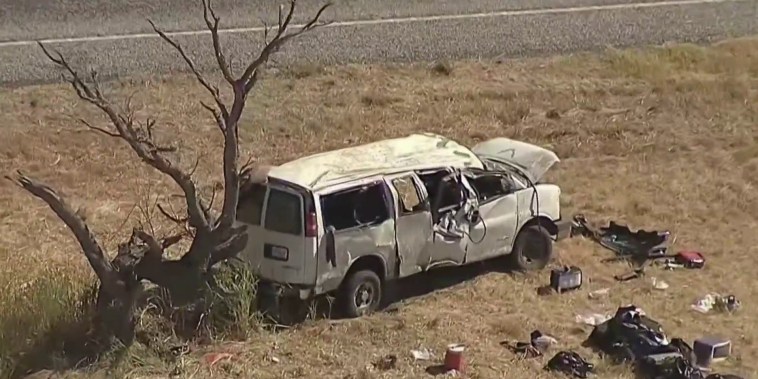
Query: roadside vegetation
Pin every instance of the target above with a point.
(658, 137)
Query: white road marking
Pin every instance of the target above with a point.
(400, 20)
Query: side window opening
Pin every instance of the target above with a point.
(451, 196)
(284, 212)
(491, 186)
(250, 204)
(409, 196)
(363, 206)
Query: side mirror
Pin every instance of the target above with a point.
(331, 249)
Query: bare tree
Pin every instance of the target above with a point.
(214, 237)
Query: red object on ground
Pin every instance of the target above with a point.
(454, 358)
(690, 259)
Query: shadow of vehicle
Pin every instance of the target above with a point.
(441, 278)
(399, 291)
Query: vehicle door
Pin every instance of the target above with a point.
(413, 224)
(360, 222)
(276, 245)
(494, 233)
(450, 227)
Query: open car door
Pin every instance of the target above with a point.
(413, 225)
(452, 206)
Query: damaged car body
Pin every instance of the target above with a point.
(347, 221)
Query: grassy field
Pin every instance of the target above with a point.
(661, 138)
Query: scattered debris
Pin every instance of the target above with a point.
(538, 344)
(541, 341)
(659, 284)
(524, 349)
(690, 259)
(683, 259)
(565, 279)
(630, 336)
(423, 354)
(637, 273)
(388, 362)
(599, 293)
(570, 363)
(710, 350)
(710, 302)
(623, 241)
(454, 359)
(592, 319)
(440, 370)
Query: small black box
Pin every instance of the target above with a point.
(567, 278)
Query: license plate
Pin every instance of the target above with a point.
(279, 253)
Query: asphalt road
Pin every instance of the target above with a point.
(405, 31)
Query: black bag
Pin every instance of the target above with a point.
(672, 366)
(570, 363)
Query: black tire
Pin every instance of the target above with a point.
(532, 249)
(360, 294)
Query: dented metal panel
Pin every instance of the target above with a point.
(350, 245)
(495, 234)
(414, 222)
(413, 234)
(414, 152)
(547, 206)
(533, 160)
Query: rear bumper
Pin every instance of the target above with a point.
(268, 288)
(564, 229)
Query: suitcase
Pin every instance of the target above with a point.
(565, 279)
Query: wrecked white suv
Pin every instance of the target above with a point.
(348, 221)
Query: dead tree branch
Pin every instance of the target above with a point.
(89, 244)
(227, 118)
(137, 137)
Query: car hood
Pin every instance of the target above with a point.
(532, 160)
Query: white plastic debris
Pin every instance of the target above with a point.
(422, 354)
(599, 293)
(543, 342)
(659, 284)
(592, 319)
(704, 304)
(713, 301)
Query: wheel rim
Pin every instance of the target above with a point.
(536, 249)
(364, 297)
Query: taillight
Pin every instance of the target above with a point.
(311, 225)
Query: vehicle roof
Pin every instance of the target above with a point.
(413, 152)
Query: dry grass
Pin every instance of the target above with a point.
(658, 138)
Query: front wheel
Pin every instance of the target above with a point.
(532, 249)
(360, 294)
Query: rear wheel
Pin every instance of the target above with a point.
(532, 249)
(361, 293)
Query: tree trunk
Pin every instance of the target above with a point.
(115, 317)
